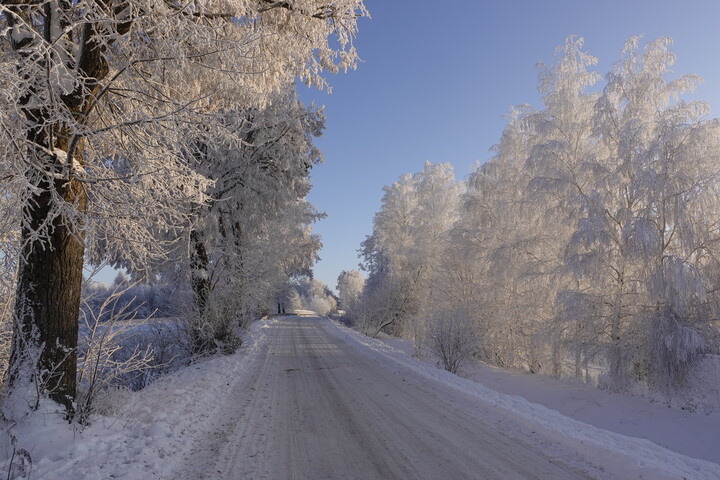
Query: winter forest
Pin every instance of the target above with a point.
(586, 247)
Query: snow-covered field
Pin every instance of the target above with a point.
(150, 434)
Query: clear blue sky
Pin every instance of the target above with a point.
(438, 78)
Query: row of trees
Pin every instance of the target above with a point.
(121, 121)
(255, 233)
(309, 294)
(591, 238)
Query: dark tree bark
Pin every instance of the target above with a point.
(200, 280)
(47, 300)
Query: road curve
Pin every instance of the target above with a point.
(319, 409)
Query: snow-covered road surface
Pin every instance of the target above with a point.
(316, 408)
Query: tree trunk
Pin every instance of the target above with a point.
(199, 264)
(617, 364)
(578, 359)
(47, 300)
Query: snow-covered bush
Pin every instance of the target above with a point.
(310, 294)
(385, 305)
(8, 269)
(452, 337)
(156, 298)
(120, 349)
(322, 305)
(216, 329)
(674, 348)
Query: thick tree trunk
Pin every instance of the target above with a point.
(47, 300)
(199, 263)
(48, 297)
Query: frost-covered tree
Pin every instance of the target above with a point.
(593, 228)
(647, 229)
(589, 238)
(500, 255)
(350, 285)
(382, 253)
(307, 293)
(255, 233)
(320, 298)
(405, 249)
(559, 163)
(99, 102)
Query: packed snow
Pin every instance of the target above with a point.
(148, 434)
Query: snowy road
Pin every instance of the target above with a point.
(318, 409)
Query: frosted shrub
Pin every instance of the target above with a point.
(168, 342)
(323, 306)
(6, 327)
(372, 317)
(215, 329)
(452, 337)
(383, 307)
(105, 356)
(674, 348)
(311, 294)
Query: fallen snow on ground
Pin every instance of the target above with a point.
(147, 432)
(150, 431)
(589, 420)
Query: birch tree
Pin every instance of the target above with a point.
(592, 231)
(653, 209)
(490, 237)
(405, 249)
(560, 165)
(350, 285)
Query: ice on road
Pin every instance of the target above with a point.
(317, 409)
